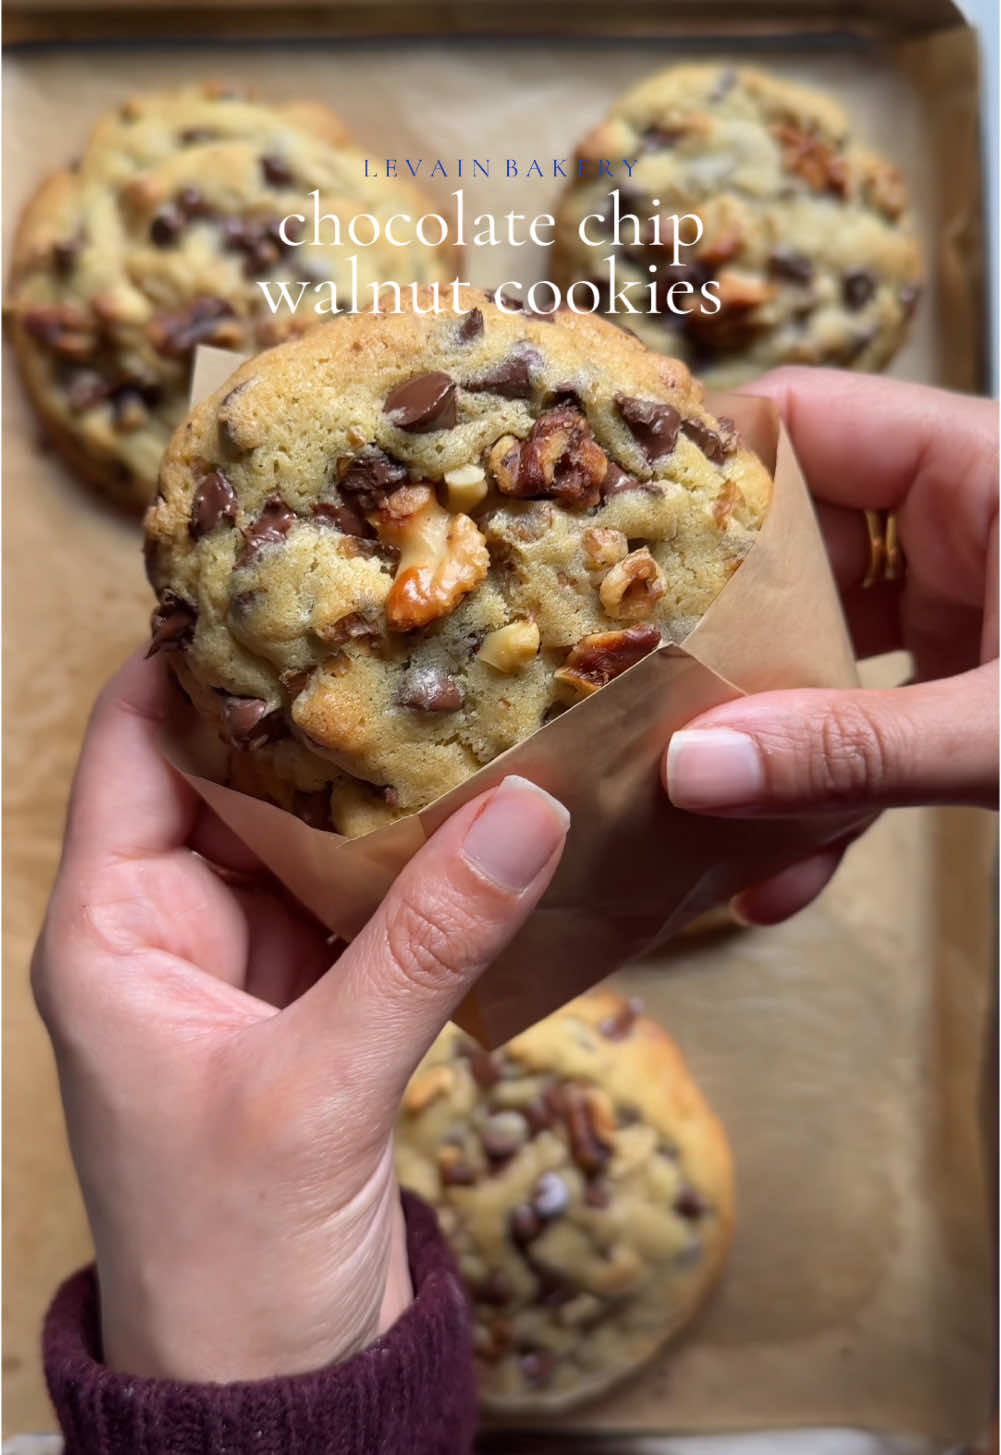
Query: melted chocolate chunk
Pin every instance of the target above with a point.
(269, 529)
(166, 227)
(175, 335)
(617, 480)
(276, 171)
(191, 201)
(344, 517)
(214, 501)
(172, 624)
(690, 1205)
(193, 135)
(496, 1290)
(524, 1223)
(551, 1197)
(457, 1174)
(370, 478)
(249, 721)
(714, 444)
(428, 688)
(858, 285)
(486, 1072)
(65, 254)
(312, 808)
(471, 327)
(653, 426)
(789, 264)
(511, 379)
(423, 404)
(539, 1115)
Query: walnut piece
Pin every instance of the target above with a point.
(560, 458)
(598, 658)
(510, 647)
(812, 158)
(442, 557)
(466, 487)
(603, 547)
(632, 588)
(426, 1087)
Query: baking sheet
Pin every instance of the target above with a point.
(842, 1050)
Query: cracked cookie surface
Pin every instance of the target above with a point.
(585, 1188)
(389, 550)
(806, 232)
(155, 241)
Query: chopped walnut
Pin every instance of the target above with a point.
(632, 587)
(603, 547)
(599, 658)
(466, 487)
(560, 458)
(427, 1086)
(442, 557)
(885, 188)
(729, 499)
(812, 158)
(62, 328)
(510, 647)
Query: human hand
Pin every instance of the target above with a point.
(930, 456)
(230, 1098)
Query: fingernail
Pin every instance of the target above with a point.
(711, 768)
(513, 838)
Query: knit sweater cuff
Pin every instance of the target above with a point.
(412, 1391)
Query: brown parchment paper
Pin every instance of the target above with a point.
(844, 1049)
(635, 870)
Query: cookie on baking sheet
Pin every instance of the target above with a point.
(156, 240)
(586, 1190)
(805, 232)
(390, 549)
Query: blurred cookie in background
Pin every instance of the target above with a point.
(156, 240)
(586, 1190)
(807, 246)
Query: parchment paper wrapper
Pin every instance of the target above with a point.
(635, 870)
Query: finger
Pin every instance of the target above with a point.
(450, 912)
(910, 430)
(785, 894)
(217, 842)
(127, 801)
(786, 752)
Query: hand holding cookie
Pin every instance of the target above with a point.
(230, 1098)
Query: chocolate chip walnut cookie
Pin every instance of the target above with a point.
(392, 548)
(156, 241)
(585, 1188)
(805, 233)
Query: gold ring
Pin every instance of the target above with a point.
(886, 558)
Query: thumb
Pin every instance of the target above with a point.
(450, 911)
(783, 752)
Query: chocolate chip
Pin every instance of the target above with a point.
(370, 478)
(554, 1289)
(788, 263)
(312, 808)
(174, 335)
(192, 135)
(344, 517)
(511, 379)
(166, 227)
(269, 529)
(191, 202)
(617, 1027)
(215, 500)
(537, 1367)
(276, 171)
(457, 1174)
(588, 1149)
(689, 1204)
(422, 404)
(596, 1195)
(428, 688)
(471, 327)
(539, 1116)
(714, 444)
(65, 254)
(496, 1290)
(172, 624)
(617, 481)
(654, 426)
(486, 1072)
(355, 626)
(657, 137)
(524, 1223)
(551, 1197)
(858, 285)
(250, 722)
(62, 328)
(567, 394)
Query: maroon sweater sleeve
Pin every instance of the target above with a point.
(412, 1391)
